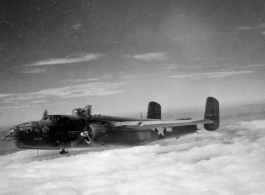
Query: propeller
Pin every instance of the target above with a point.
(85, 134)
(88, 115)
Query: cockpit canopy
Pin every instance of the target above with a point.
(53, 119)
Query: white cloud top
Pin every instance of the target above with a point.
(229, 161)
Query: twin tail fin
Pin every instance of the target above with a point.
(212, 113)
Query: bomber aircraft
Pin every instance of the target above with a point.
(84, 130)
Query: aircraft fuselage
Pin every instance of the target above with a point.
(63, 131)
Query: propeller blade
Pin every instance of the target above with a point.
(88, 115)
(80, 137)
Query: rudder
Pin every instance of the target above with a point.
(212, 113)
(154, 110)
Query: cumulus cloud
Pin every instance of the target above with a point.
(228, 161)
(211, 74)
(88, 89)
(56, 61)
(150, 56)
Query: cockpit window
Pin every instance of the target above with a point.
(57, 120)
(53, 119)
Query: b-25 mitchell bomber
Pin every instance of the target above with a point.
(84, 130)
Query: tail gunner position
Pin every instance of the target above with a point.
(82, 130)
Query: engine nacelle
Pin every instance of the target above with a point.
(97, 132)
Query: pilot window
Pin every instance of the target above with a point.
(53, 119)
(57, 120)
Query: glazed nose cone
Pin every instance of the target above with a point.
(13, 134)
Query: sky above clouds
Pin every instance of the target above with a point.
(119, 55)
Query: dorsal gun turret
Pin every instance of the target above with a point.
(78, 111)
(82, 111)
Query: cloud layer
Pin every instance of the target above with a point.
(31, 70)
(211, 74)
(55, 61)
(229, 161)
(88, 89)
(245, 28)
(150, 56)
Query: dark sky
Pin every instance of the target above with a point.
(120, 54)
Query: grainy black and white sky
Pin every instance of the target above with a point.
(120, 54)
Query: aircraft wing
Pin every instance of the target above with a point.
(145, 125)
